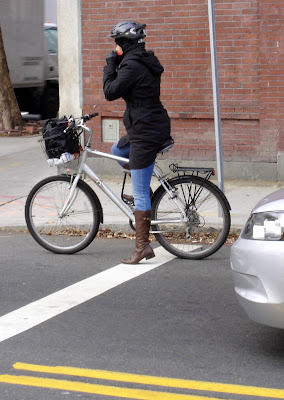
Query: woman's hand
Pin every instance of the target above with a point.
(112, 58)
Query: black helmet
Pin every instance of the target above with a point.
(129, 30)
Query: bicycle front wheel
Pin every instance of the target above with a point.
(194, 221)
(75, 229)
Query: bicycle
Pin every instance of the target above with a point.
(190, 214)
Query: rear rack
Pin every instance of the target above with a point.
(194, 170)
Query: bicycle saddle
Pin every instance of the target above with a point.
(166, 146)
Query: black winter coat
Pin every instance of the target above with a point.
(137, 80)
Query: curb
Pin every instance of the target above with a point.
(115, 228)
(30, 128)
(117, 231)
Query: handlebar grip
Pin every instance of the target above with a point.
(93, 115)
(87, 117)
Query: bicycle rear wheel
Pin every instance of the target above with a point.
(70, 233)
(207, 223)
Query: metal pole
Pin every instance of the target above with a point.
(216, 99)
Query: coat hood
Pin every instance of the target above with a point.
(147, 58)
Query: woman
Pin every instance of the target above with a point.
(135, 75)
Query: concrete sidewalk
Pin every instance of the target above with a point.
(23, 164)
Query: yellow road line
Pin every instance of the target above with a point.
(156, 380)
(97, 389)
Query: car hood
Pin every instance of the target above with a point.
(272, 202)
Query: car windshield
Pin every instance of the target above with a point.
(51, 35)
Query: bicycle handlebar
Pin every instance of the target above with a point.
(72, 124)
(87, 117)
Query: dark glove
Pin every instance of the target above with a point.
(111, 58)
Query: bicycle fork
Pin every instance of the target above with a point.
(72, 196)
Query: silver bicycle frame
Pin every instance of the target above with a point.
(84, 168)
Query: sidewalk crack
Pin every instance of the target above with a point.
(11, 201)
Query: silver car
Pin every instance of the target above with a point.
(257, 262)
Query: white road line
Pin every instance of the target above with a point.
(35, 313)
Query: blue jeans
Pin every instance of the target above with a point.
(120, 151)
(140, 180)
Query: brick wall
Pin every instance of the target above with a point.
(250, 59)
(271, 53)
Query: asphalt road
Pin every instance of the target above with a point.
(178, 320)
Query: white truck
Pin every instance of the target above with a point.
(31, 50)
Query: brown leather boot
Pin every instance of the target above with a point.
(142, 247)
(126, 166)
(129, 197)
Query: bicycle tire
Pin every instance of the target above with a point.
(75, 230)
(208, 217)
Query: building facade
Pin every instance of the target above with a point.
(250, 45)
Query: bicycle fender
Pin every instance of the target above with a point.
(156, 192)
(221, 193)
(225, 200)
(210, 183)
(96, 199)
